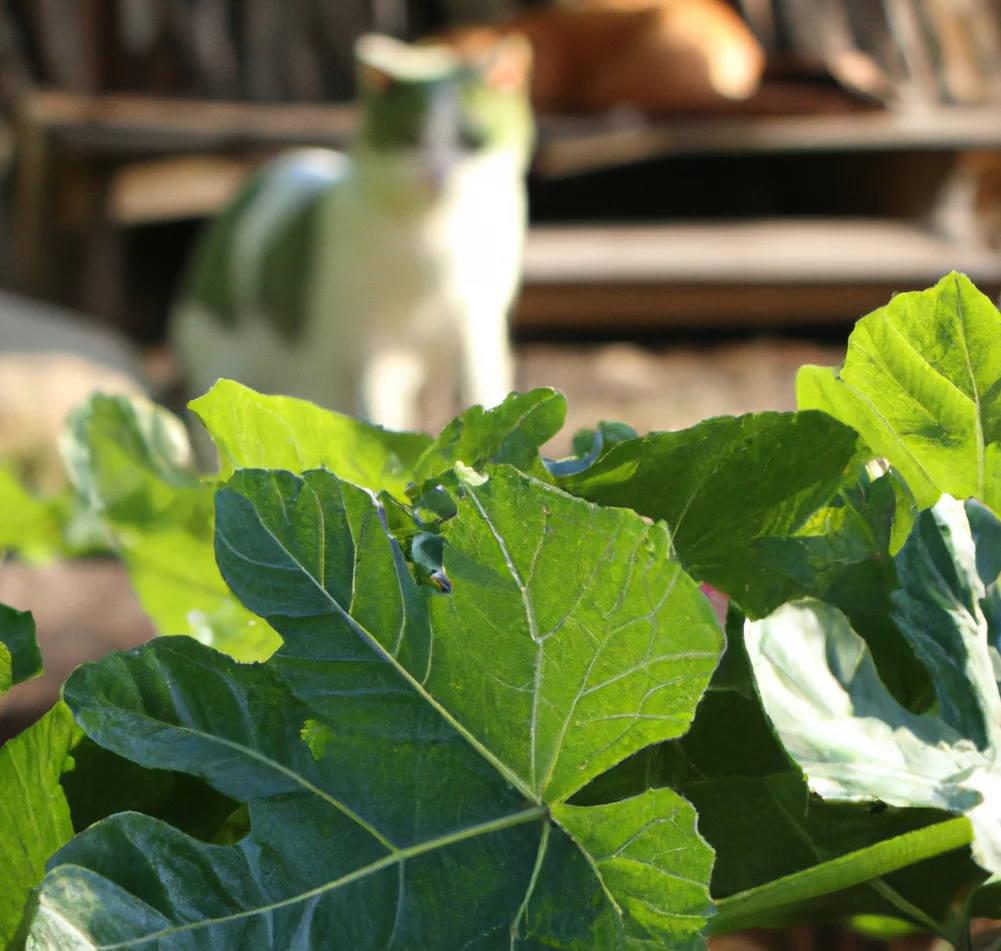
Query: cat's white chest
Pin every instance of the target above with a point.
(407, 292)
(411, 292)
(402, 265)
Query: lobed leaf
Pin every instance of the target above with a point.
(725, 483)
(407, 754)
(920, 382)
(559, 611)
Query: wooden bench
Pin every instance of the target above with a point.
(90, 166)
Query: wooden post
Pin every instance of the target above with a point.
(261, 27)
(342, 22)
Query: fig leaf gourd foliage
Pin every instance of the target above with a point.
(446, 693)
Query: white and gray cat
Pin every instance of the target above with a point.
(375, 281)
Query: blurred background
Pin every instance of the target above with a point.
(720, 189)
(693, 239)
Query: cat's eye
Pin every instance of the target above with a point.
(472, 135)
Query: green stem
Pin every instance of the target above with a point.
(915, 914)
(752, 907)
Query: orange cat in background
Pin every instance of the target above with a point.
(659, 55)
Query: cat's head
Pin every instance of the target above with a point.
(457, 99)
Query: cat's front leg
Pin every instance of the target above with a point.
(487, 362)
(391, 384)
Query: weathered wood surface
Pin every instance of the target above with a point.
(770, 251)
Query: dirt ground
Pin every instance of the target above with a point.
(668, 389)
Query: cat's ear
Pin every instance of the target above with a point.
(504, 60)
(374, 59)
(508, 64)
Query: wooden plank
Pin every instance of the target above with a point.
(567, 144)
(795, 252)
(188, 187)
(572, 145)
(122, 124)
(608, 310)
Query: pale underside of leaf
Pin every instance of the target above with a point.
(852, 739)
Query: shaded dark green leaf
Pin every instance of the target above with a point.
(17, 635)
(725, 483)
(99, 783)
(406, 745)
(769, 833)
(850, 736)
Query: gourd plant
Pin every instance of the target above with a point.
(445, 693)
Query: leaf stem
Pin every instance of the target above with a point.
(917, 916)
(539, 857)
(752, 907)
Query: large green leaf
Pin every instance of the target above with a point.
(726, 483)
(530, 568)
(34, 816)
(852, 739)
(252, 430)
(407, 755)
(131, 461)
(922, 383)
